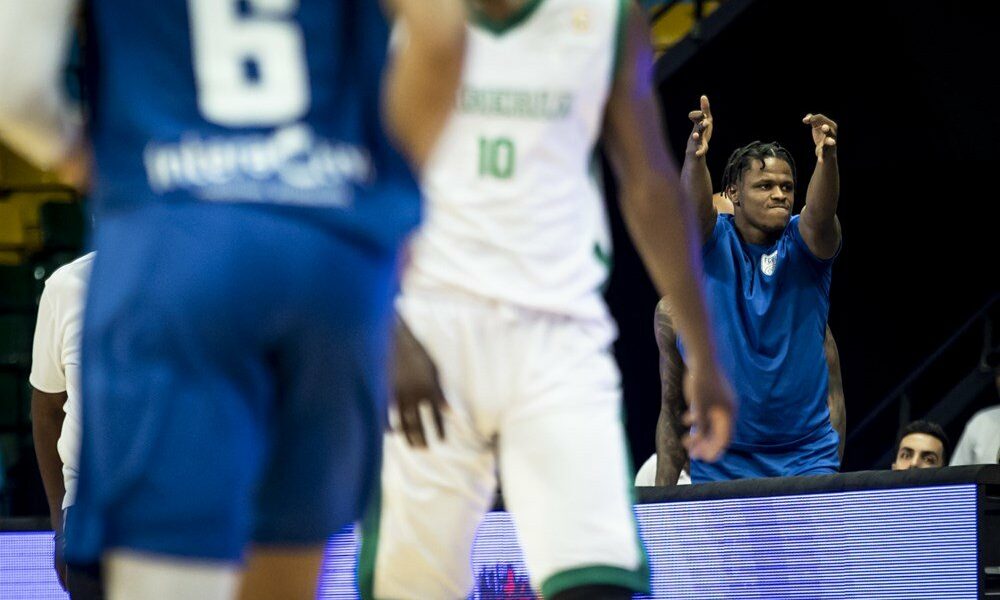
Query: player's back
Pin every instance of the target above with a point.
(270, 102)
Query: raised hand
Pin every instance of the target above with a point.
(824, 132)
(701, 133)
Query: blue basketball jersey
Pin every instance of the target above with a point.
(769, 308)
(269, 102)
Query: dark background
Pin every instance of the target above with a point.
(915, 89)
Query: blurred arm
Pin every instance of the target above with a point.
(664, 229)
(36, 119)
(818, 222)
(660, 221)
(424, 73)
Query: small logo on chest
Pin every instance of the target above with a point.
(768, 262)
(581, 20)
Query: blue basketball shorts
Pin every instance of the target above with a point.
(234, 362)
(815, 455)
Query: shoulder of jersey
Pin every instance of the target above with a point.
(72, 274)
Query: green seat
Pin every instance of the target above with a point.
(16, 333)
(62, 226)
(18, 289)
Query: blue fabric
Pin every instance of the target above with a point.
(769, 306)
(154, 142)
(233, 383)
(816, 455)
(239, 308)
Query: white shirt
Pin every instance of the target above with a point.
(980, 442)
(647, 474)
(55, 365)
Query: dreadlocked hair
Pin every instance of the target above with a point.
(742, 159)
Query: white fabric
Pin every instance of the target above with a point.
(35, 117)
(534, 396)
(980, 441)
(130, 575)
(538, 238)
(646, 477)
(55, 365)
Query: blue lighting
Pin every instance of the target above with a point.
(915, 544)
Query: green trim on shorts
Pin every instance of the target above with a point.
(369, 544)
(630, 483)
(637, 581)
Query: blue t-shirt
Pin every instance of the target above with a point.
(769, 307)
(274, 104)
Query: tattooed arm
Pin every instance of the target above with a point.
(670, 453)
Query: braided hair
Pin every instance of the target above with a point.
(742, 159)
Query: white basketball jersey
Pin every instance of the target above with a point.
(514, 211)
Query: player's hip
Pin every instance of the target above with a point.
(230, 265)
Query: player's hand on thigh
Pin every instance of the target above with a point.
(712, 413)
(415, 383)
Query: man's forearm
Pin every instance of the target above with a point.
(670, 453)
(823, 193)
(838, 411)
(423, 76)
(46, 427)
(697, 184)
(835, 398)
(838, 419)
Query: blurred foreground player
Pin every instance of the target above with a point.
(250, 210)
(503, 292)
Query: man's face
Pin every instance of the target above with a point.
(919, 451)
(766, 195)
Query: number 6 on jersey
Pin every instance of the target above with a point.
(250, 69)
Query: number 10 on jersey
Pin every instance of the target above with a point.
(496, 158)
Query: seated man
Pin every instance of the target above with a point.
(921, 445)
(670, 464)
(767, 279)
